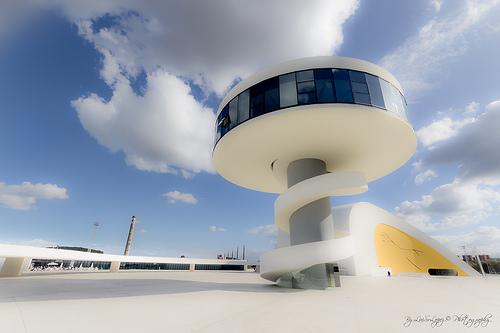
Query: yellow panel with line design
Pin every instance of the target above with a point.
(406, 254)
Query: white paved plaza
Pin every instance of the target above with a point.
(241, 302)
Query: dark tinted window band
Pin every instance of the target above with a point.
(313, 86)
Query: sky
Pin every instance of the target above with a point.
(107, 110)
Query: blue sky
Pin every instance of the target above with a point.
(107, 110)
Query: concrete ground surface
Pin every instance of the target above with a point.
(243, 302)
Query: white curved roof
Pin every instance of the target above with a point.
(309, 63)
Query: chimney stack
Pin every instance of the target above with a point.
(130, 236)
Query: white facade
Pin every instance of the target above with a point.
(351, 245)
(18, 258)
(313, 128)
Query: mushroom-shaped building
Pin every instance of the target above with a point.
(309, 129)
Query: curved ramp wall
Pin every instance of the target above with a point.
(359, 245)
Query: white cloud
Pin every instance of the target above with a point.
(214, 42)
(214, 228)
(269, 230)
(417, 166)
(472, 107)
(473, 147)
(436, 4)
(422, 58)
(451, 205)
(211, 43)
(166, 130)
(176, 196)
(25, 195)
(441, 130)
(483, 240)
(474, 194)
(446, 127)
(425, 176)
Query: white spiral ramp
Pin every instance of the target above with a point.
(293, 259)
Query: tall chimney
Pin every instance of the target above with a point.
(130, 236)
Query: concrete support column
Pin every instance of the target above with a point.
(191, 267)
(115, 266)
(14, 266)
(311, 223)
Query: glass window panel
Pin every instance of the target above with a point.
(218, 134)
(257, 100)
(362, 98)
(271, 94)
(394, 101)
(376, 96)
(357, 76)
(358, 87)
(243, 106)
(305, 76)
(257, 105)
(272, 100)
(323, 74)
(288, 90)
(342, 82)
(388, 98)
(324, 85)
(399, 101)
(220, 117)
(404, 107)
(233, 112)
(307, 98)
(224, 120)
(324, 91)
(307, 86)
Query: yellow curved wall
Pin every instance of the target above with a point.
(404, 253)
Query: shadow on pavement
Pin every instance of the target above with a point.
(61, 288)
